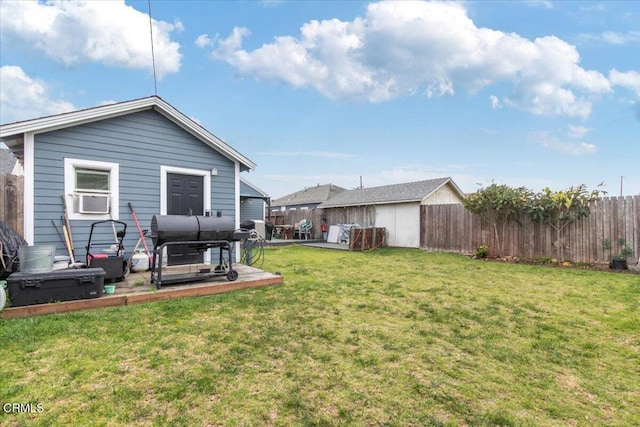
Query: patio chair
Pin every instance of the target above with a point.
(307, 229)
(302, 229)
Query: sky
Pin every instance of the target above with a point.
(524, 93)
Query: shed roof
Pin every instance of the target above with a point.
(387, 194)
(12, 133)
(309, 195)
(246, 187)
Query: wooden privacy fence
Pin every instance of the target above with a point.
(292, 217)
(363, 215)
(11, 201)
(452, 228)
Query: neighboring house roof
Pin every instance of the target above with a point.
(387, 194)
(11, 133)
(6, 161)
(310, 195)
(244, 193)
(9, 164)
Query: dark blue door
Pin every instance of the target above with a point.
(185, 197)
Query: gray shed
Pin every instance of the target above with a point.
(395, 207)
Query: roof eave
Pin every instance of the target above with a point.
(12, 131)
(75, 118)
(390, 202)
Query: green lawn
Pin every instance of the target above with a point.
(387, 337)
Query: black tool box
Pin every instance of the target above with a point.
(58, 285)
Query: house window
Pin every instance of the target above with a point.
(92, 180)
(91, 189)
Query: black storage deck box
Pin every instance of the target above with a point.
(58, 285)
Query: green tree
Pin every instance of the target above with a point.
(561, 208)
(499, 204)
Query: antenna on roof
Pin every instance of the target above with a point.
(153, 57)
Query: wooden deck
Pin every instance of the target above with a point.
(136, 289)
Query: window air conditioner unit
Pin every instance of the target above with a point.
(93, 203)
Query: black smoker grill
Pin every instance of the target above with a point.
(200, 233)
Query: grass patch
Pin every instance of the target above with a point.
(394, 337)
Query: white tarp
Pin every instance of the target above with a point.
(339, 233)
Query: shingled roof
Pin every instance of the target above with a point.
(387, 194)
(310, 195)
(9, 165)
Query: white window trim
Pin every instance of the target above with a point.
(69, 187)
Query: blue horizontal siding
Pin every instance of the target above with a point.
(250, 209)
(140, 143)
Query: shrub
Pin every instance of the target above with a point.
(482, 251)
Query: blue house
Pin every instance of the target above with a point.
(144, 152)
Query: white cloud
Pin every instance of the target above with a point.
(488, 131)
(271, 3)
(203, 41)
(547, 4)
(548, 140)
(495, 102)
(401, 49)
(578, 131)
(178, 25)
(108, 32)
(612, 37)
(574, 148)
(629, 80)
(22, 97)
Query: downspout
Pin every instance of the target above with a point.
(236, 169)
(29, 188)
